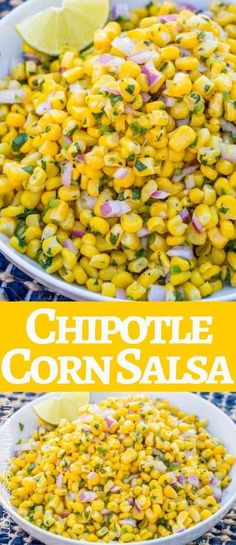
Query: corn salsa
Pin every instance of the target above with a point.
(118, 162)
(127, 469)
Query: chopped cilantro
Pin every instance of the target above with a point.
(29, 169)
(163, 66)
(136, 192)
(113, 239)
(198, 107)
(137, 129)
(130, 89)
(19, 141)
(201, 35)
(140, 253)
(46, 263)
(231, 245)
(114, 99)
(175, 269)
(206, 88)
(223, 210)
(31, 468)
(140, 166)
(131, 157)
(21, 426)
(28, 213)
(121, 196)
(20, 233)
(178, 296)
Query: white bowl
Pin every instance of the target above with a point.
(220, 425)
(9, 36)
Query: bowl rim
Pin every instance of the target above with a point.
(26, 264)
(169, 539)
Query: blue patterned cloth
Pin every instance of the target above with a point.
(223, 534)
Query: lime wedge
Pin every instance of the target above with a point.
(73, 25)
(65, 405)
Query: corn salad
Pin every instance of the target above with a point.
(118, 163)
(128, 469)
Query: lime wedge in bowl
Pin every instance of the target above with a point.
(66, 405)
(73, 25)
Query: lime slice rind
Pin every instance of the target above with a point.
(53, 409)
(72, 25)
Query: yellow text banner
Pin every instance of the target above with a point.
(122, 346)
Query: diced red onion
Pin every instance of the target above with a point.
(217, 492)
(78, 234)
(185, 172)
(111, 60)
(202, 68)
(27, 446)
(124, 44)
(110, 421)
(33, 58)
(121, 173)
(228, 127)
(105, 511)
(69, 245)
(181, 122)
(189, 7)
(146, 97)
(144, 242)
(129, 522)
(184, 52)
(189, 433)
(157, 293)
(76, 88)
(168, 18)
(184, 214)
(87, 497)
(66, 173)
(61, 69)
(64, 515)
(80, 158)
(112, 209)
(188, 453)
(180, 479)
(43, 108)
(129, 109)
(160, 195)
(111, 91)
(119, 10)
(137, 505)
(197, 224)
(86, 201)
(153, 75)
(12, 96)
(143, 232)
(143, 56)
(228, 152)
(66, 140)
(121, 294)
(59, 481)
(181, 251)
(189, 182)
(91, 475)
(159, 466)
(216, 489)
(169, 101)
(115, 489)
(194, 480)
